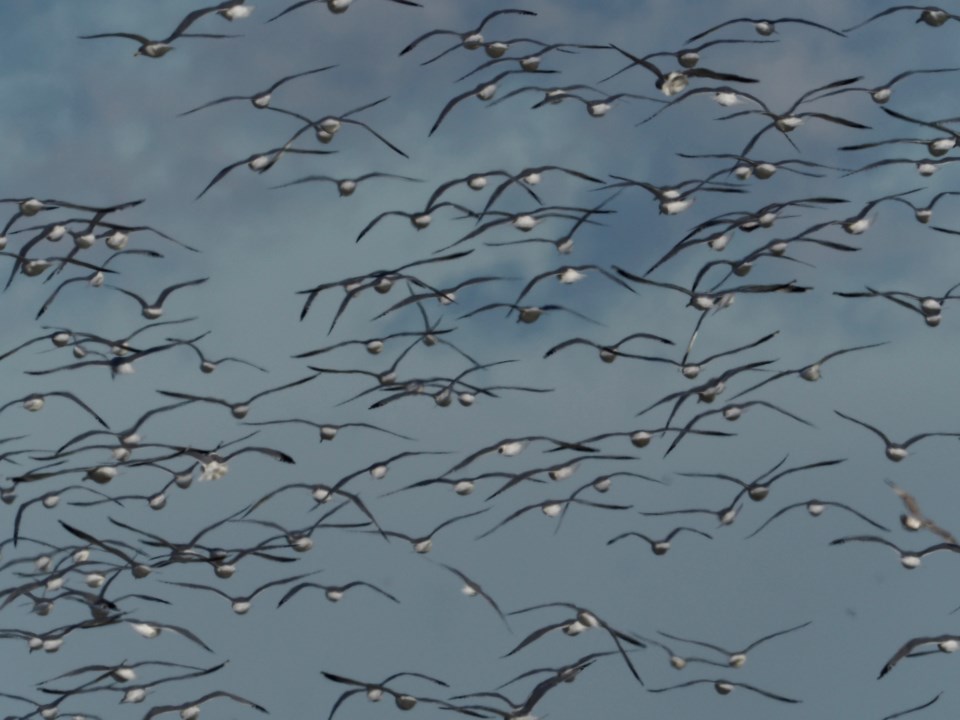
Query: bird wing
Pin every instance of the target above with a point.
(189, 283)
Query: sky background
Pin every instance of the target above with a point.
(86, 122)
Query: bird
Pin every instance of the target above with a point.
(882, 93)
(482, 91)
(815, 508)
(300, 540)
(137, 569)
(337, 7)
(261, 162)
(378, 470)
(216, 465)
(260, 99)
(860, 223)
(329, 125)
(158, 48)
(595, 108)
(765, 217)
(516, 710)
(929, 307)
(44, 710)
(679, 662)
(924, 214)
(119, 237)
(908, 559)
(239, 603)
(675, 82)
(709, 300)
(34, 402)
(567, 275)
(50, 500)
(759, 488)
(328, 431)
(725, 687)
(659, 546)
(767, 27)
(790, 120)
(706, 392)
(551, 94)
(939, 147)
(240, 409)
(34, 266)
(895, 451)
(567, 673)
(476, 182)
(444, 296)
(191, 709)
(470, 39)
(944, 643)
(914, 519)
(732, 412)
(513, 446)
(925, 168)
(334, 593)
(811, 372)
(347, 186)
(381, 281)
(929, 15)
(688, 57)
(96, 278)
(583, 620)
(420, 220)
(529, 314)
(152, 311)
(151, 630)
(129, 437)
(472, 589)
(725, 515)
(59, 338)
(723, 95)
(124, 672)
(532, 176)
(496, 51)
(209, 365)
(133, 693)
(461, 486)
(424, 543)
(559, 471)
(231, 10)
(375, 691)
(321, 494)
(737, 658)
(691, 370)
(527, 221)
(551, 508)
(746, 167)
(609, 353)
(30, 206)
(642, 438)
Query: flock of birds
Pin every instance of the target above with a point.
(107, 564)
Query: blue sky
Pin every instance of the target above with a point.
(87, 122)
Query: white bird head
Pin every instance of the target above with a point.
(213, 470)
(496, 49)
(673, 84)
(328, 432)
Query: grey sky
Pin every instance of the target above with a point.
(84, 121)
